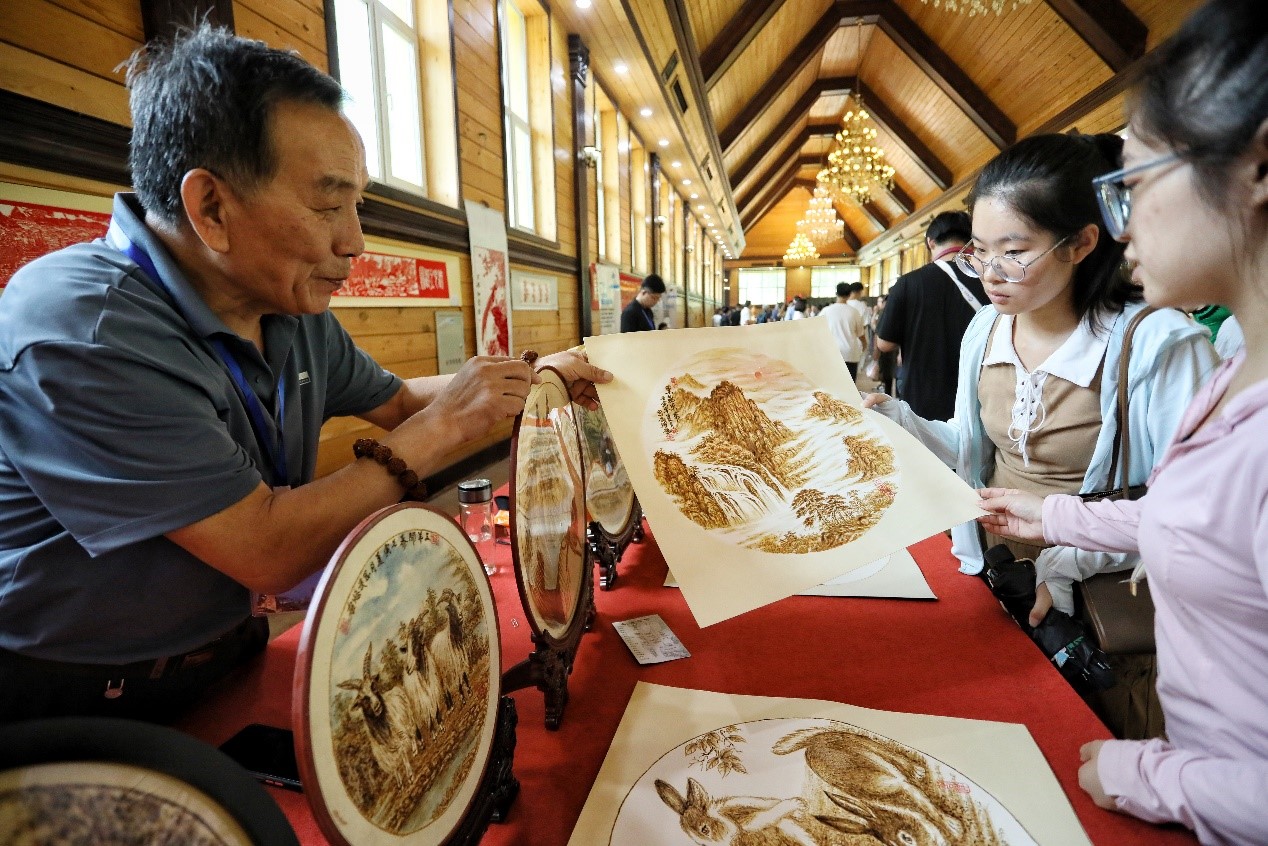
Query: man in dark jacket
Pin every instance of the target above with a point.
(637, 316)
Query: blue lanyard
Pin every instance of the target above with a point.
(275, 447)
(647, 315)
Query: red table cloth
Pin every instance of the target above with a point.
(959, 656)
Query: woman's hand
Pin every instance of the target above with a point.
(580, 375)
(1090, 779)
(1043, 604)
(1014, 513)
(870, 400)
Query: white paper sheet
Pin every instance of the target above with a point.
(756, 468)
(650, 639)
(895, 576)
(987, 781)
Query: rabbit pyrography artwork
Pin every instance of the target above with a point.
(747, 447)
(810, 782)
(410, 672)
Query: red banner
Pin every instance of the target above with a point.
(29, 230)
(379, 275)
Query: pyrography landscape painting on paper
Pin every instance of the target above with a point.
(609, 494)
(410, 704)
(550, 506)
(747, 447)
(808, 781)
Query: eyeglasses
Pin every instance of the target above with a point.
(1006, 267)
(1115, 196)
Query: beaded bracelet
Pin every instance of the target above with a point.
(415, 488)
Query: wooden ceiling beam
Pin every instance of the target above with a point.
(946, 74)
(778, 191)
(787, 171)
(819, 88)
(1107, 26)
(736, 35)
(907, 140)
(838, 14)
(785, 155)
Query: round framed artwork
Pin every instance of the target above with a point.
(97, 779)
(398, 681)
(610, 498)
(548, 512)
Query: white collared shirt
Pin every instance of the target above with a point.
(1076, 361)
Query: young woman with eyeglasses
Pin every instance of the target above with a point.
(1192, 207)
(1038, 373)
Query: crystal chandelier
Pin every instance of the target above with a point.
(855, 163)
(800, 251)
(976, 7)
(821, 224)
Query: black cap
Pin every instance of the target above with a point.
(475, 490)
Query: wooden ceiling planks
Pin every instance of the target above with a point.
(789, 41)
(708, 18)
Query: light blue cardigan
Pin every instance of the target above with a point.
(1170, 359)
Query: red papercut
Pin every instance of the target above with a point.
(29, 230)
(496, 332)
(379, 275)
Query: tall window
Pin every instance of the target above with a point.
(823, 280)
(377, 42)
(761, 285)
(519, 130)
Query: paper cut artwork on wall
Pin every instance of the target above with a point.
(689, 767)
(748, 448)
(549, 524)
(401, 681)
(757, 467)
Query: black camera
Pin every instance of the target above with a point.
(1062, 638)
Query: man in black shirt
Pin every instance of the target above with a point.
(926, 314)
(637, 316)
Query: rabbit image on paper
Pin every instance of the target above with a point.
(741, 820)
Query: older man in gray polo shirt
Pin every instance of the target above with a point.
(162, 391)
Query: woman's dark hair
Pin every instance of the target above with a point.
(1048, 180)
(1204, 91)
(205, 100)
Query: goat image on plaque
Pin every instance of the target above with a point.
(689, 766)
(398, 684)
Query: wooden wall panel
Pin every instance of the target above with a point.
(282, 24)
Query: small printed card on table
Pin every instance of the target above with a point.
(650, 639)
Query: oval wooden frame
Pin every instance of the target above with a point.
(578, 620)
(622, 537)
(301, 712)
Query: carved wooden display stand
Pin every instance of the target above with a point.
(498, 788)
(548, 666)
(552, 571)
(606, 550)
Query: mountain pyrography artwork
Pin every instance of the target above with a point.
(759, 471)
(747, 447)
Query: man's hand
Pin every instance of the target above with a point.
(1014, 513)
(870, 400)
(1090, 779)
(580, 375)
(486, 391)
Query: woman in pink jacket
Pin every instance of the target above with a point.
(1192, 205)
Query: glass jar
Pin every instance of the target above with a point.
(475, 504)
